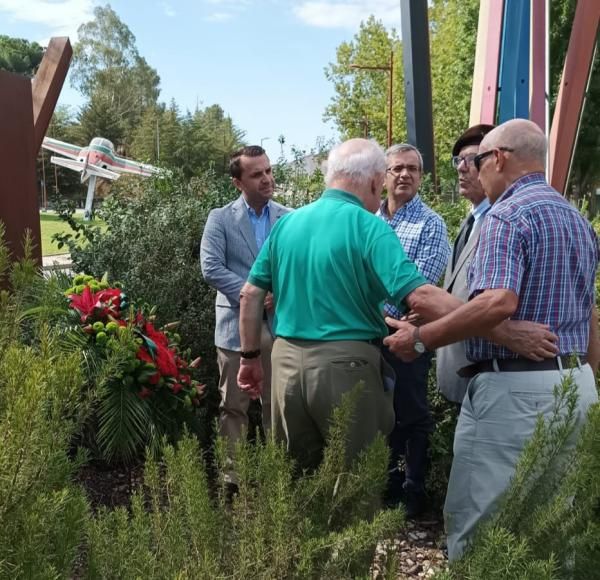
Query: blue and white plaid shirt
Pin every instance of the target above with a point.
(535, 243)
(424, 238)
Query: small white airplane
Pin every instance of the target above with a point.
(98, 159)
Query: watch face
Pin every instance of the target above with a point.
(419, 347)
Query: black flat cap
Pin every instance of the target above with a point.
(472, 136)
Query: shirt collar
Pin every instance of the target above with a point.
(252, 211)
(342, 196)
(522, 182)
(481, 209)
(407, 208)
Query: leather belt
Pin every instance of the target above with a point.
(374, 341)
(518, 365)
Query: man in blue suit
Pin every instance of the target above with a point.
(232, 238)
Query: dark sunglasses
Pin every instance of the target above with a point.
(479, 158)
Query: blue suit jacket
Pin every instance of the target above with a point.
(227, 252)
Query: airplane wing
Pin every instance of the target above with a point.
(81, 166)
(128, 166)
(66, 149)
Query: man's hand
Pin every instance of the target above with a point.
(401, 343)
(528, 339)
(269, 304)
(250, 377)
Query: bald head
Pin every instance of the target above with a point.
(358, 167)
(523, 136)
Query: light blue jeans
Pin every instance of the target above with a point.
(497, 418)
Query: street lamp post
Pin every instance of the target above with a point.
(389, 69)
(263, 139)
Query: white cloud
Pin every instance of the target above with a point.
(167, 9)
(61, 17)
(347, 13)
(219, 17)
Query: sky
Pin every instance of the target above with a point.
(262, 61)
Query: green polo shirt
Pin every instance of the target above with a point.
(330, 266)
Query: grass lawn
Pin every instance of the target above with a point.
(51, 224)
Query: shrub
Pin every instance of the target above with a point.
(547, 523)
(320, 525)
(42, 514)
(151, 244)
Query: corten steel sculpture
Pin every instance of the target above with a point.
(26, 107)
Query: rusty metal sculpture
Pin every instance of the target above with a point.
(26, 108)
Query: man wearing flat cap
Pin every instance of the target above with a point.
(453, 357)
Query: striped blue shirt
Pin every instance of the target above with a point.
(535, 243)
(424, 238)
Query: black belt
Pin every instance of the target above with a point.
(265, 315)
(517, 365)
(374, 341)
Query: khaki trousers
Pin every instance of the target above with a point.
(233, 418)
(497, 418)
(309, 379)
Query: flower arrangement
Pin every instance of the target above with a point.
(154, 366)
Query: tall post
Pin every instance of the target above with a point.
(417, 80)
(572, 91)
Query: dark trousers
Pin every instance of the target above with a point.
(410, 436)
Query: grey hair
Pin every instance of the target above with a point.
(402, 148)
(358, 160)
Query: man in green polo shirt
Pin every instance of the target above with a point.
(330, 266)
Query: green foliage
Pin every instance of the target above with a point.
(320, 525)
(108, 69)
(20, 56)
(193, 144)
(441, 442)
(546, 526)
(151, 244)
(42, 513)
(360, 105)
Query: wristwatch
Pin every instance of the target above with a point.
(250, 353)
(418, 345)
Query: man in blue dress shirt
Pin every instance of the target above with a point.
(423, 235)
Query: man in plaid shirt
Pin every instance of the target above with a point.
(424, 238)
(536, 260)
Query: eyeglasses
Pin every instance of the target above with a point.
(479, 158)
(457, 160)
(398, 169)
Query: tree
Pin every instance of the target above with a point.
(20, 56)
(359, 107)
(453, 35)
(108, 69)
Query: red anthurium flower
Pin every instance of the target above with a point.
(84, 303)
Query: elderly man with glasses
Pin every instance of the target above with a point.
(424, 238)
(536, 260)
(450, 359)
